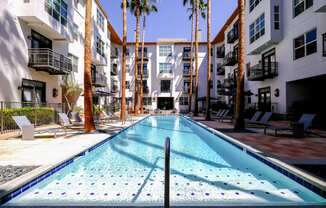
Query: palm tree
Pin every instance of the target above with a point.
(209, 47)
(191, 17)
(88, 95)
(147, 7)
(123, 73)
(239, 105)
(135, 9)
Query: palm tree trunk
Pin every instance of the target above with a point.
(196, 57)
(239, 105)
(88, 95)
(136, 61)
(142, 66)
(123, 72)
(191, 60)
(209, 46)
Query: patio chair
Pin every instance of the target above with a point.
(27, 128)
(218, 114)
(76, 120)
(254, 118)
(305, 120)
(227, 117)
(223, 115)
(263, 122)
(65, 121)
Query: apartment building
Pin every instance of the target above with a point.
(165, 74)
(42, 41)
(285, 55)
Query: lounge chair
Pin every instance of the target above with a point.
(76, 120)
(216, 113)
(306, 120)
(263, 122)
(254, 118)
(65, 121)
(223, 115)
(226, 117)
(27, 128)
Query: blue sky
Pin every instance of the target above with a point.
(171, 21)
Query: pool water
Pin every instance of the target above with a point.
(128, 170)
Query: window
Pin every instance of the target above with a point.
(33, 91)
(127, 68)
(300, 6)
(276, 17)
(127, 52)
(186, 85)
(253, 4)
(100, 46)
(58, 10)
(140, 50)
(147, 101)
(186, 68)
(100, 19)
(184, 101)
(165, 86)
(257, 29)
(165, 68)
(74, 61)
(305, 44)
(165, 50)
(324, 44)
(127, 85)
(145, 71)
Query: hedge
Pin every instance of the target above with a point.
(43, 115)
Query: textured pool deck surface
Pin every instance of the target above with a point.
(308, 150)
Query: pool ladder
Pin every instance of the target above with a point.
(167, 173)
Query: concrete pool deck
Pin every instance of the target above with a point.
(46, 153)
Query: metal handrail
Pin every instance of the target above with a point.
(167, 173)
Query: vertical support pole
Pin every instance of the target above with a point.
(2, 115)
(167, 173)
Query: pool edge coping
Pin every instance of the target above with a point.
(308, 181)
(28, 180)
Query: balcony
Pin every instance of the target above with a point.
(44, 59)
(186, 55)
(220, 52)
(114, 88)
(98, 78)
(260, 72)
(220, 69)
(230, 59)
(166, 74)
(114, 70)
(233, 35)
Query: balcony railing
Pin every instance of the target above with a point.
(114, 88)
(186, 55)
(233, 35)
(260, 72)
(99, 79)
(166, 71)
(44, 59)
(220, 69)
(230, 59)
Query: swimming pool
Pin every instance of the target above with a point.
(128, 170)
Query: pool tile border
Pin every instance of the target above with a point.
(255, 153)
(42, 176)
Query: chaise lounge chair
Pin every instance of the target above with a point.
(223, 115)
(66, 123)
(216, 113)
(254, 118)
(306, 120)
(27, 128)
(263, 122)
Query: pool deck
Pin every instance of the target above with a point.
(46, 153)
(310, 150)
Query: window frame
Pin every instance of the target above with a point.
(305, 44)
(100, 46)
(164, 69)
(305, 6)
(163, 85)
(100, 20)
(257, 28)
(183, 101)
(278, 15)
(253, 4)
(324, 44)
(163, 52)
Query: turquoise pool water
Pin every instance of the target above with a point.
(128, 170)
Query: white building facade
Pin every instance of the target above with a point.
(42, 41)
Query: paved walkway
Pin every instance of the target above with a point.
(308, 150)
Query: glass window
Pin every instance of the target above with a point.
(58, 9)
(186, 68)
(186, 85)
(165, 50)
(184, 101)
(33, 91)
(127, 85)
(257, 29)
(100, 46)
(145, 71)
(305, 44)
(74, 61)
(276, 17)
(300, 6)
(165, 68)
(253, 4)
(147, 101)
(324, 44)
(165, 85)
(100, 19)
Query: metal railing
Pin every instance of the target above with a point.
(167, 173)
(233, 35)
(38, 113)
(262, 71)
(230, 59)
(99, 78)
(46, 59)
(220, 52)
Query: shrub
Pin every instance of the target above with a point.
(43, 115)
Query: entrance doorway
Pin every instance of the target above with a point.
(165, 103)
(264, 99)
